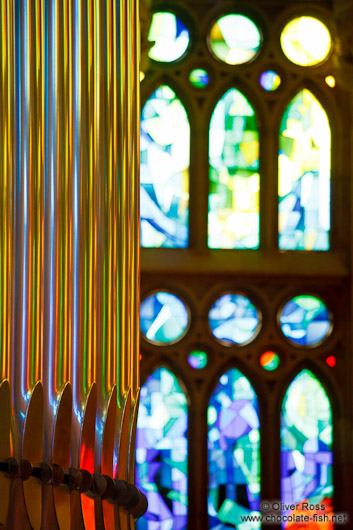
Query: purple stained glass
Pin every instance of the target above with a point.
(306, 447)
(198, 359)
(233, 452)
(161, 452)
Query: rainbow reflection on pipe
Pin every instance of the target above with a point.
(69, 293)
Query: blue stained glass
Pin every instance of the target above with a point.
(304, 165)
(270, 80)
(233, 203)
(198, 359)
(170, 35)
(161, 452)
(305, 320)
(163, 318)
(306, 448)
(164, 171)
(233, 453)
(199, 78)
(234, 319)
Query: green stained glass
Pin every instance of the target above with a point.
(161, 452)
(199, 78)
(306, 448)
(170, 35)
(269, 361)
(233, 453)
(234, 39)
(197, 359)
(306, 41)
(233, 207)
(304, 175)
(164, 171)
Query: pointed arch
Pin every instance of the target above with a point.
(304, 169)
(164, 170)
(233, 201)
(306, 446)
(161, 450)
(233, 451)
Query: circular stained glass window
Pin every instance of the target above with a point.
(305, 41)
(269, 361)
(305, 320)
(234, 319)
(164, 318)
(199, 78)
(170, 35)
(198, 359)
(234, 39)
(270, 80)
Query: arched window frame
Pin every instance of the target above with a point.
(171, 87)
(331, 110)
(240, 502)
(244, 92)
(171, 370)
(335, 397)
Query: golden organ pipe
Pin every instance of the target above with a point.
(69, 121)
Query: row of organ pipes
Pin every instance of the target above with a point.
(69, 113)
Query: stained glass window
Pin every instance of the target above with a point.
(305, 320)
(199, 78)
(331, 361)
(330, 81)
(164, 171)
(233, 210)
(198, 359)
(306, 448)
(270, 80)
(304, 175)
(161, 452)
(234, 39)
(233, 453)
(269, 361)
(170, 35)
(234, 319)
(163, 318)
(305, 41)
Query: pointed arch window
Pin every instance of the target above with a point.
(233, 451)
(161, 451)
(164, 171)
(304, 166)
(306, 446)
(233, 203)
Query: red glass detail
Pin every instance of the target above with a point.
(266, 358)
(311, 515)
(331, 360)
